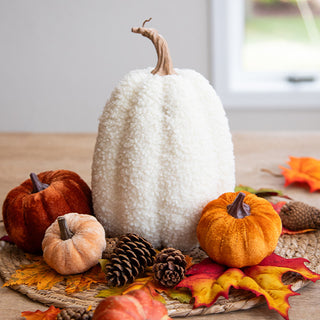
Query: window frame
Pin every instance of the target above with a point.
(244, 90)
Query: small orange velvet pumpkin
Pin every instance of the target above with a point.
(73, 243)
(135, 305)
(239, 229)
(30, 208)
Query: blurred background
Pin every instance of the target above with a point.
(61, 59)
(282, 35)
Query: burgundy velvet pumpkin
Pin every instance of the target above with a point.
(32, 207)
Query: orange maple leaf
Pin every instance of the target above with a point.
(50, 314)
(208, 280)
(303, 170)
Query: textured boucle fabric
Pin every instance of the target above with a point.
(163, 151)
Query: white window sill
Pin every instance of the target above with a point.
(271, 94)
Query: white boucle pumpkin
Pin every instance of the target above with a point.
(163, 151)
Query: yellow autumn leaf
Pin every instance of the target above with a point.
(83, 281)
(43, 277)
(139, 283)
(145, 282)
(37, 274)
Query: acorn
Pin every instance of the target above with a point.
(296, 215)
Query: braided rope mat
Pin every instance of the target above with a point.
(289, 246)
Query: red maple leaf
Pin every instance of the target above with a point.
(208, 280)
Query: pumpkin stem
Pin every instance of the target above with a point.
(164, 66)
(65, 232)
(37, 184)
(238, 209)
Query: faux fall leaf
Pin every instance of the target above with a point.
(261, 192)
(145, 282)
(50, 314)
(83, 281)
(183, 295)
(303, 170)
(37, 274)
(208, 280)
(43, 277)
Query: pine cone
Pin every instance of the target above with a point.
(296, 215)
(169, 267)
(75, 314)
(129, 259)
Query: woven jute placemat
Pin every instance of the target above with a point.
(305, 245)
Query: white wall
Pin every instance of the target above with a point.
(60, 60)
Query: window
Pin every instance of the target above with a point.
(266, 58)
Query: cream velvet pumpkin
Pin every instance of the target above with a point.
(73, 243)
(163, 150)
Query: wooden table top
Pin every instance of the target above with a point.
(22, 153)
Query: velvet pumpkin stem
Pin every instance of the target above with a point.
(65, 232)
(164, 66)
(238, 209)
(37, 184)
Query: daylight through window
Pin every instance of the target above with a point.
(267, 52)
